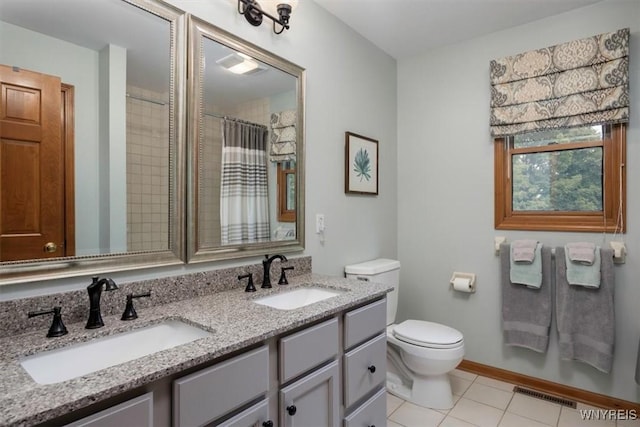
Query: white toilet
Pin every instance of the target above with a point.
(419, 354)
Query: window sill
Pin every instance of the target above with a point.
(556, 222)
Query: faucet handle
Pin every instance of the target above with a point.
(250, 287)
(129, 310)
(283, 277)
(57, 328)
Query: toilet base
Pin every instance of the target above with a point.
(430, 392)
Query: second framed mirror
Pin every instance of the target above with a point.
(246, 126)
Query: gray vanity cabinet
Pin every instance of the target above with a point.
(134, 412)
(312, 400)
(327, 374)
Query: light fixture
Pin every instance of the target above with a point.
(254, 13)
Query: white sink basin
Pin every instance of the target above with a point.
(297, 298)
(63, 364)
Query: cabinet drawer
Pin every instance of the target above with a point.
(134, 412)
(308, 348)
(203, 396)
(253, 416)
(364, 322)
(365, 367)
(371, 413)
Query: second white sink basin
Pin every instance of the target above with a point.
(297, 298)
(63, 364)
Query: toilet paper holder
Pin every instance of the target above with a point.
(467, 279)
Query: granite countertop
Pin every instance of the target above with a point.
(233, 319)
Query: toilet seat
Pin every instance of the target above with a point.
(428, 334)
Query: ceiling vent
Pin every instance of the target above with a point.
(240, 63)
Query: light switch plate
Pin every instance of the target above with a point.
(319, 223)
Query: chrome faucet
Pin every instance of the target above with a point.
(266, 266)
(95, 292)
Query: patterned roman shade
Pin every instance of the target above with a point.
(577, 83)
(283, 136)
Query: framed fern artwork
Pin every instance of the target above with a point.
(361, 164)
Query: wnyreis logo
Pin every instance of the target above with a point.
(608, 414)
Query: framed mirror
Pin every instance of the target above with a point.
(92, 151)
(247, 122)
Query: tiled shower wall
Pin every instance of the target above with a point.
(210, 160)
(147, 171)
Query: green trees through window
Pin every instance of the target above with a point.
(558, 180)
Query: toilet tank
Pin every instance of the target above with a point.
(381, 270)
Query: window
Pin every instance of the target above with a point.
(287, 191)
(562, 180)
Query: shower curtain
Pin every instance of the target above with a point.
(244, 196)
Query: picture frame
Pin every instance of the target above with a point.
(361, 165)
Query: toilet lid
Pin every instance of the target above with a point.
(427, 334)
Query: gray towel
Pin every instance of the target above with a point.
(526, 312)
(585, 316)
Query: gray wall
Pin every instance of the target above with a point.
(445, 196)
(350, 87)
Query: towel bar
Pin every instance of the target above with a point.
(619, 249)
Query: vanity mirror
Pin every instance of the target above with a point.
(247, 123)
(92, 146)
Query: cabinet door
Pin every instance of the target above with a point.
(255, 416)
(312, 400)
(134, 412)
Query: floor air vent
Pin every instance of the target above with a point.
(544, 396)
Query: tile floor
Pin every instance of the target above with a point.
(485, 402)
